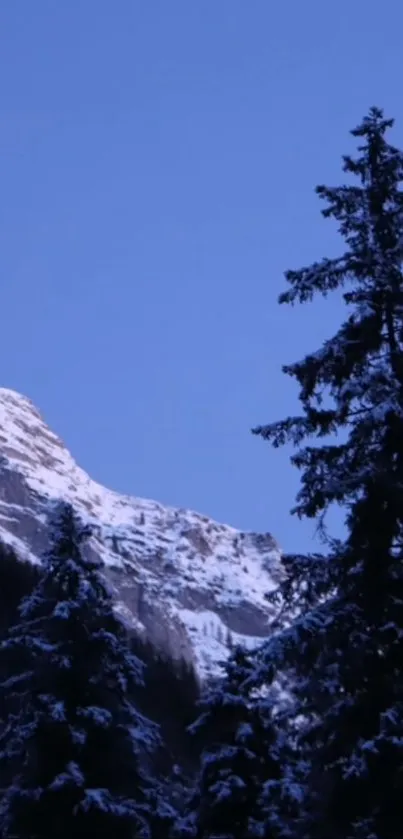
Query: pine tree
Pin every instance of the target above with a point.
(240, 760)
(344, 651)
(73, 737)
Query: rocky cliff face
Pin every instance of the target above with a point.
(194, 587)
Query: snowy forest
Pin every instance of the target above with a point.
(302, 738)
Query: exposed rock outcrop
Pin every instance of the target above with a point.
(191, 585)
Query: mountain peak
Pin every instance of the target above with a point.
(190, 584)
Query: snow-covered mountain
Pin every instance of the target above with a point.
(189, 584)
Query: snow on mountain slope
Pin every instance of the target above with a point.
(191, 585)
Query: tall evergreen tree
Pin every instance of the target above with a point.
(344, 651)
(73, 738)
(241, 761)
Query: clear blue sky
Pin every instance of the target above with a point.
(157, 166)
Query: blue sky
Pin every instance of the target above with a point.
(157, 166)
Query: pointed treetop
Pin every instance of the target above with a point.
(63, 519)
(374, 123)
(67, 537)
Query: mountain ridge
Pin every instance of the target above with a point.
(191, 585)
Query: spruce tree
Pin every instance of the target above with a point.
(344, 652)
(73, 737)
(240, 760)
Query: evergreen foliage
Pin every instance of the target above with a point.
(167, 694)
(173, 708)
(73, 737)
(169, 697)
(241, 760)
(343, 653)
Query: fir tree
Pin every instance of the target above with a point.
(240, 760)
(344, 651)
(73, 738)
